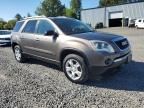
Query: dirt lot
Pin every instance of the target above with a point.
(40, 85)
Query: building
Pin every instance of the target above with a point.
(113, 16)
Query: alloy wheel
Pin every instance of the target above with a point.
(17, 54)
(73, 69)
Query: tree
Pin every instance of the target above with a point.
(7, 25)
(10, 24)
(70, 13)
(103, 3)
(1, 26)
(18, 17)
(28, 15)
(76, 7)
(2, 23)
(51, 8)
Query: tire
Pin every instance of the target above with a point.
(137, 27)
(75, 68)
(18, 54)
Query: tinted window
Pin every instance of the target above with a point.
(18, 26)
(44, 26)
(71, 26)
(30, 26)
(139, 20)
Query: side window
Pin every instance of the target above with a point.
(30, 26)
(44, 26)
(18, 26)
(139, 20)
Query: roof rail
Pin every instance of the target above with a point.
(62, 17)
(42, 17)
(34, 17)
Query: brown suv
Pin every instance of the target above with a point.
(71, 44)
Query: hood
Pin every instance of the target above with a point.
(97, 36)
(5, 36)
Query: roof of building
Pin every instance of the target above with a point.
(113, 5)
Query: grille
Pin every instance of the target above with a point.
(122, 44)
(4, 38)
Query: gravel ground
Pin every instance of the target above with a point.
(36, 84)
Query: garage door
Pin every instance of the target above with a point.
(116, 15)
(115, 19)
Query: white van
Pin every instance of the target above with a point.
(139, 23)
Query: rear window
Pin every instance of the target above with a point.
(18, 26)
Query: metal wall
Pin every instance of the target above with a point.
(93, 16)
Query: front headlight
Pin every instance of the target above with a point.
(102, 46)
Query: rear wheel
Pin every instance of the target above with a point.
(18, 54)
(75, 68)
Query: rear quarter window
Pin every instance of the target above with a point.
(18, 26)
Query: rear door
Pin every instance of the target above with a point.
(28, 37)
(46, 45)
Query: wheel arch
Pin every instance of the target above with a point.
(14, 44)
(68, 51)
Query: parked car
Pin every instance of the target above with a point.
(131, 23)
(139, 23)
(71, 44)
(99, 25)
(5, 37)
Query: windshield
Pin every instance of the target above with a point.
(71, 26)
(5, 32)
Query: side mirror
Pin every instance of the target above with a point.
(49, 33)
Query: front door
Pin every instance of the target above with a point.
(46, 45)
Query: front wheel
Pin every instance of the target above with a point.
(18, 54)
(75, 68)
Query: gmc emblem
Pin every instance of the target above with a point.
(124, 43)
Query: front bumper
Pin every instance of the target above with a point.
(5, 42)
(117, 62)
